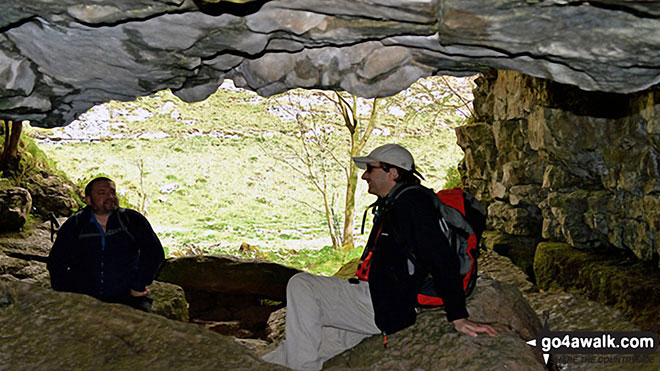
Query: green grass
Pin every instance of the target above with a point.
(229, 190)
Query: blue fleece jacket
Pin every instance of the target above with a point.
(105, 264)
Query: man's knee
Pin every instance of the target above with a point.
(299, 282)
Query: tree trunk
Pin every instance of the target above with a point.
(349, 207)
(358, 141)
(328, 220)
(10, 158)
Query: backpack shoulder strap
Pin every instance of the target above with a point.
(405, 189)
(78, 221)
(124, 222)
(364, 216)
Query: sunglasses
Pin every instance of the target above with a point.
(371, 167)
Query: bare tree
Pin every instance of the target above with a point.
(359, 135)
(143, 191)
(10, 157)
(433, 102)
(324, 151)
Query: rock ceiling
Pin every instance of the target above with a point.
(59, 58)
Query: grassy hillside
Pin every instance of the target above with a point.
(207, 176)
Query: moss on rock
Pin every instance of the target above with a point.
(617, 279)
(50, 188)
(169, 301)
(348, 270)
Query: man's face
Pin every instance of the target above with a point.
(103, 198)
(380, 181)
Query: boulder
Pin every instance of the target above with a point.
(15, 206)
(23, 257)
(169, 301)
(52, 193)
(18, 269)
(45, 329)
(276, 326)
(227, 274)
(31, 244)
(432, 343)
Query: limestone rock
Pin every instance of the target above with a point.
(169, 301)
(33, 244)
(518, 221)
(52, 193)
(520, 249)
(565, 311)
(606, 277)
(566, 165)
(15, 205)
(364, 47)
(569, 209)
(23, 257)
(230, 295)
(44, 328)
(11, 266)
(432, 343)
(276, 329)
(529, 194)
(478, 144)
(228, 274)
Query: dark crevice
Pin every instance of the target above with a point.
(28, 257)
(240, 316)
(19, 23)
(626, 8)
(225, 7)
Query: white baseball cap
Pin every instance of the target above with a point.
(392, 154)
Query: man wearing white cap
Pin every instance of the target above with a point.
(328, 315)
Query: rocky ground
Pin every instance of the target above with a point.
(565, 312)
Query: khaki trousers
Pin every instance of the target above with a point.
(325, 316)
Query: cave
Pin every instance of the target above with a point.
(563, 148)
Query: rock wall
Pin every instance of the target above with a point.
(557, 163)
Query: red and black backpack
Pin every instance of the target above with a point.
(462, 219)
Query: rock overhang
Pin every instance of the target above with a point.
(58, 59)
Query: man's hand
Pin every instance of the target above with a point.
(139, 293)
(467, 327)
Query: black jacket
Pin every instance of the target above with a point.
(407, 223)
(80, 262)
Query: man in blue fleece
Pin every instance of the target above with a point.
(105, 251)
